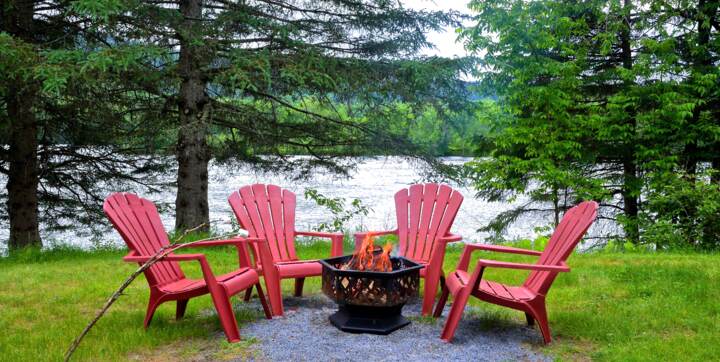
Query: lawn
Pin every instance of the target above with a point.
(612, 306)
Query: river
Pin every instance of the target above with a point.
(374, 181)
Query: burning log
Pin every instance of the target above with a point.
(364, 258)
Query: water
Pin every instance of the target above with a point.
(374, 181)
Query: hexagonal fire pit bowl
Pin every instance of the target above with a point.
(370, 301)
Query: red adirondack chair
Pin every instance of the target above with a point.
(138, 222)
(530, 297)
(268, 212)
(425, 213)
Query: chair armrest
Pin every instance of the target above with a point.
(538, 267)
(235, 241)
(204, 266)
(437, 256)
(240, 243)
(449, 238)
(504, 249)
(376, 233)
(470, 248)
(319, 234)
(336, 239)
(131, 258)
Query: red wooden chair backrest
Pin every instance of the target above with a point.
(268, 212)
(568, 233)
(425, 212)
(138, 222)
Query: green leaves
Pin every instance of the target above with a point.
(600, 98)
(99, 9)
(341, 213)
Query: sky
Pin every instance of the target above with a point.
(444, 41)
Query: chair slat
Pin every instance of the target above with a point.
(276, 211)
(268, 212)
(288, 200)
(237, 204)
(139, 224)
(263, 207)
(415, 207)
(401, 212)
(439, 212)
(567, 235)
(160, 272)
(428, 205)
(143, 215)
(425, 213)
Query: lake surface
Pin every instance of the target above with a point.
(374, 181)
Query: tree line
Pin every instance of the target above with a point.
(92, 90)
(613, 100)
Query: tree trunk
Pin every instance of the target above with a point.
(556, 207)
(630, 201)
(22, 184)
(193, 153)
(631, 188)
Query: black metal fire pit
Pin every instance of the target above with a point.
(370, 301)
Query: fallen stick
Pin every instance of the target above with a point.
(163, 252)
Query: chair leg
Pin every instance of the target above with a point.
(263, 301)
(248, 294)
(180, 308)
(299, 282)
(152, 306)
(530, 319)
(539, 313)
(275, 295)
(431, 285)
(456, 312)
(225, 313)
(441, 302)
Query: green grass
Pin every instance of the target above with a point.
(612, 306)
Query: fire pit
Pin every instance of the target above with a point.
(370, 288)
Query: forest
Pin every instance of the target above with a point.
(610, 101)
(96, 92)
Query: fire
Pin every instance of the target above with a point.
(384, 263)
(364, 258)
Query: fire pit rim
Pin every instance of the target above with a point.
(409, 266)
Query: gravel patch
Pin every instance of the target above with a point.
(305, 334)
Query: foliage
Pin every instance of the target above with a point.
(289, 78)
(341, 214)
(435, 130)
(78, 123)
(684, 212)
(108, 85)
(603, 100)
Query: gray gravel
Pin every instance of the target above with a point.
(305, 334)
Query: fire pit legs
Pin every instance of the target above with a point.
(375, 320)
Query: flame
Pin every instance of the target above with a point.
(384, 263)
(364, 258)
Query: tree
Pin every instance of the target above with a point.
(21, 155)
(65, 130)
(237, 66)
(602, 100)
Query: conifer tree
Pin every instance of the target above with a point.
(236, 66)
